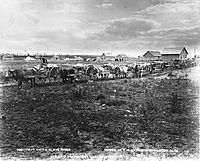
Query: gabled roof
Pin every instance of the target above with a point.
(122, 55)
(169, 54)
(107, 54)
(173, 51)
(110, 57)
(154, 53)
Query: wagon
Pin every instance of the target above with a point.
(47, 74)
(41, 76)
(143, 72)
(157, 69)
(79, 72)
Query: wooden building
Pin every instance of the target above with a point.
(121, 57)
(108, 56)
(8, 57)
(152, 55)
(172, 54)
(56, 57)
(73, 58)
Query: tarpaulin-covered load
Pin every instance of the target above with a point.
(78, 65)
(28, 58)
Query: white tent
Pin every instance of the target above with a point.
(52, 65)
(28, 58)
(66, 59)
(78, 65)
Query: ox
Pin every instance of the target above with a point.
(21, 75)
(103, 72)
(68, 74)
(123, 71)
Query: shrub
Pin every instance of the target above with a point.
(80, 93)
(114, 102)
(100, 97)
(175, 103)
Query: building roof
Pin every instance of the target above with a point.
(173, 51)
(168, 54)
(122, 55)
(154, 53)
(8, 55)
(107, 54)
(111, 57)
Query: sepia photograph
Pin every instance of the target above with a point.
(99, 80)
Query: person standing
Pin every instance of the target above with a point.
(43, 63)
(136, 71)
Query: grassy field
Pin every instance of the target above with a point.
(132, 114)
(91, 117)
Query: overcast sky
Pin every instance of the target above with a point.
(95, 26)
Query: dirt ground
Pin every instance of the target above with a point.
(152, 118)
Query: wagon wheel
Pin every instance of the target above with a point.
(94, 77)
(79, 76)
(55, 74)
(58, 78)
(83, 77)
(88, 77)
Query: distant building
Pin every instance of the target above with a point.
(78, 58)
(73, 58)
(103, 57)
(172, 54)
(98, 58)
(8, 57)
(108, 56)
(19, 57)
(88, 59)
(152, 55)
(48, 57)
(121, 57)
(56, 57)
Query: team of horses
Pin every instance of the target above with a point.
(92, 72)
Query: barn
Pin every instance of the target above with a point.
(152, 55)
(172, 54)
